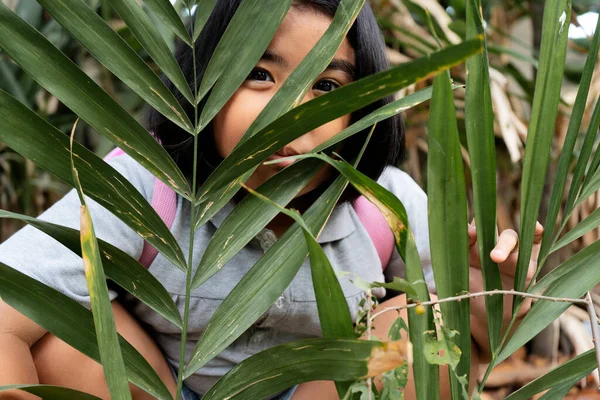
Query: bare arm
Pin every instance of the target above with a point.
(17, 335)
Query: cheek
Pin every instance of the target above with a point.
(234, 119)
(333, 128)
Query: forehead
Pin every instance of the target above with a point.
(300, 31)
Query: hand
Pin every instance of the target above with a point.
(505, 254)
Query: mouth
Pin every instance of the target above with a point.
(283, 153)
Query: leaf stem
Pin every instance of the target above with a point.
(188, 277)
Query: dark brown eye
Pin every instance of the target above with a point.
(259, 74)
(326, 85)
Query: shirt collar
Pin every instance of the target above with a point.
(339, 225)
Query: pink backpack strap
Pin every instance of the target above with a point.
(164, 202)
(377, 227)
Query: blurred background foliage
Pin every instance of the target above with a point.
(513, 30)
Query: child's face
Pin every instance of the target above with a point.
(297, 35)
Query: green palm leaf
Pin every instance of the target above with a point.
(263, 284)
(73, 324)
(281, 367)
(113, 52)
(104, 321)
(591, 222)
(541, 127)
(61, 77)
(447, 208)
(250, 216)
(27, 133)
(240, 48)
(48, 392)
(572, 279)
(574, 369)
(569, 144)
(426, 376)
(119, 266)
(479, 125)
(166, 12)
(201, 15)
(149, 36)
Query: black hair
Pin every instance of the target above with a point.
(387, 143)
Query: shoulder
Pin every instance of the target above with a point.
(404, 187)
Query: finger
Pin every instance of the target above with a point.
(507, 244)
(472, 234)
(537, 240)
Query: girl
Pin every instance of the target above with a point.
(30, 354)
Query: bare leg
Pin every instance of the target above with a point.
(57, 363)
(325, 390)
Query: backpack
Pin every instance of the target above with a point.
(164, 202)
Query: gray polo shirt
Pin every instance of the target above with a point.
(293, 316)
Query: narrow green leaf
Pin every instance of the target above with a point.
(559, 392)
(398, 284)
(447, 208)
(149, 36)
(250, 216)
(582, 162)
(242, 45)
(203, 11)
(574, 262)
(263, 284)
(48, 392)
(61, 77)
(590, 188)
(573, 369)
(111, 357)
(167, 13)
(572, 279)
(479, 126)
(593, 168)
(385, 112)
(426, 376)
(541, 128)
(281, 367)
(112, 51)
(118, 266)
(73, 324)
(316, 112)
(334, 315)
(34, 138)
(591, 222)
(569, 144)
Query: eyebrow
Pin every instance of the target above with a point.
(344, 66)
(268, 55)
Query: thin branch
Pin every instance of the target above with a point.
(594, 326)
(479, 294)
